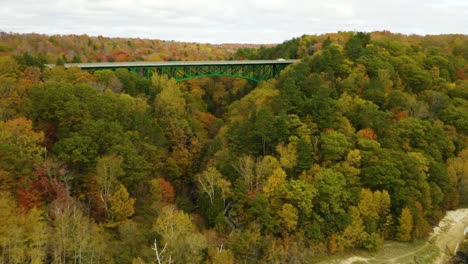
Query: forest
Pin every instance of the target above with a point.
(362, 141)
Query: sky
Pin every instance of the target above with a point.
(235, 21)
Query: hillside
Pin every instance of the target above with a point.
(84, 48)
(362, 141)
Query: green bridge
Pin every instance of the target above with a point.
(253, 70)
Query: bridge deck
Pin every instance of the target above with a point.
(145, 64)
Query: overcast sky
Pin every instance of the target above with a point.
(234, 21)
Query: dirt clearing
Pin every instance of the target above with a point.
(442, 241)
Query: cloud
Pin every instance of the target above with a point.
(247, 21)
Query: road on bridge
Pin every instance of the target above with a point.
(137, 64)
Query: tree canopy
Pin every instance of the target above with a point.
(361, 141)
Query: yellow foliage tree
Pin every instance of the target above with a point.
(22, 146)
(220, 256)
(288, 155)
(170, 102)
(289, 217)
(184, 243)
(210, 180)
(108, 169)
(275, 183)
(19, 133)
(354, 234)
(10, 92)
(23, 235)
(457, 168)
(121, 205)
(405, 226)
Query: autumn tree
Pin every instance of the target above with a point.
(246, 168)
(184, 243)
(23, 235)
(217, 189)
(220, 255)
(458, 172)
(74, 237)
(363, 139)
(108, 81)
(354, 234)
(255, 172)
(405, 227)
(162, 191)
(302, 195)
(289, 217)
(20, 146)
(10, 92)
(108, 169)
(121, 205)
(211, 182)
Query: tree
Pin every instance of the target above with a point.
(289, 217)
(421, 227)
(74, 237)
(384, 169)
(20, 146)
(264, 168)
(304, 155)
(245, 167)
(265, 128)
(211, 181)
(329, 153)
(354, 234)
(108, 81)
(330, 61)
(458, 172)
(10, 92)
(220, 255)
(129, 241)
(6, 181)
(121, 205)
(8, 229)
(333, 145)
(108, 169)
(23, 234)
(332, 192)
(162, 191)
(275, 185)
(128, 80)
(263, 213)
(288, 155)
(36, 230)
(301, 194)
(367, 205)
(398, 100)
(367, 133)
(356, 44)
(405, 226)
(184, 243)
(161, 258)
(327, 42)
(80, 151)
(374, 208)
(169, 102)
(217, 189)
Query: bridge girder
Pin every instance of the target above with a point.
(255, 71)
